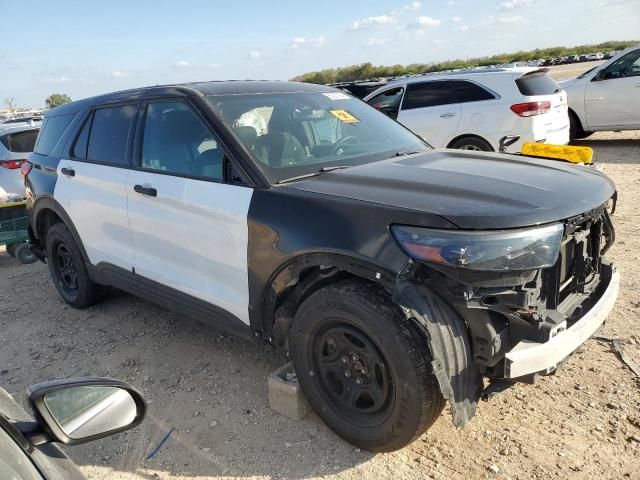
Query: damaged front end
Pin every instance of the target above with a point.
(519, 304)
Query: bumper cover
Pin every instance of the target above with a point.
(529, 357)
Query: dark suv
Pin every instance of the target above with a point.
(396, 276)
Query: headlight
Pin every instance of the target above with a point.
(524, 249)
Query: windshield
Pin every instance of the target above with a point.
(296, 134)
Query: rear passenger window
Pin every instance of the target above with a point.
(109, 134)
(20, 141)
(176, 141)
(428, 94)
(80, 147)
(50, 132)
(470, 92)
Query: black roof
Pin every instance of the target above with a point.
(226, 87)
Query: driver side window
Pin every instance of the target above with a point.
(626, 66)
(388, 101)
(176, 141)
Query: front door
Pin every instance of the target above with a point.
(431, 110)
(189, 227)
(612, 97)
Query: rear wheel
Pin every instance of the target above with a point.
(472, 143)
(364, 367)
(68, 269)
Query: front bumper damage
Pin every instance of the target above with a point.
(529, 357)
(511, 326)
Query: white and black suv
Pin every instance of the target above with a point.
(396, 276)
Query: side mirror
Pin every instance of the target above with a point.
(600, 75)
(82, 410)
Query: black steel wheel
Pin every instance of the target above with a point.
(364, 367)
(68, 269)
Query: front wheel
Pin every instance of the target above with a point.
(364, 367)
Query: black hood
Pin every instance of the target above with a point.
(473, 190)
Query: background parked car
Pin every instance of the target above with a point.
(68, 411)
(16, 142)
(606, 97)
(474, 109)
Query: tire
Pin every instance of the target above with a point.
(472, 143)
(11, 249)
(353, 327)
(68, 270)
(24, 254)
(575, 128)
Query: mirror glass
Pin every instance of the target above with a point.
(85, 411)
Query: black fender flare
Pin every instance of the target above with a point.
(448, 340)
(47, 202)
(291, 269)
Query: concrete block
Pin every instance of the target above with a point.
(285, 394)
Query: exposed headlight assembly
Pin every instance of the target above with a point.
(494, 250)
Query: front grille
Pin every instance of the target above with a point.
(578, 266)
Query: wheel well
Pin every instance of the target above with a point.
(46, 218)
(573, 114)
(470, 135)
(280, 315)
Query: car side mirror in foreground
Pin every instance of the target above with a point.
(82, 410)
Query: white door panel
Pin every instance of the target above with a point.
(434, 124)
(96, 201)
(193, 237)
(612, 103)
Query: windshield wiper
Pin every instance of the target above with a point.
(312, 174)
(404, 154)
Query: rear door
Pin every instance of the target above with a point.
(612, 97)
(91, 184)
(431, 110)
(189, 226)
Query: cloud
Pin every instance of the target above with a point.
(119, 74)
(370, 21)
(409, 7)
(373, 42)
(451, 3)
(423, 22)
(253, 55)
(506, 19)
(299, 42)
(214, 65)
(456, 19)
(181, 64)
(511, 4)
(60, 79)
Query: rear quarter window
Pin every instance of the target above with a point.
(50, 132)
(537, 83)
(20, 141)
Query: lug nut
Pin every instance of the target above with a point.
(347, 373)
(359, 381)
(345, 360)
(363, 371)
(358, 365)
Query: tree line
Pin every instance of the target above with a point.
(367, 70)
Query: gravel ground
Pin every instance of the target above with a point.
(583, 422)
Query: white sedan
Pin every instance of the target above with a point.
(606, 97)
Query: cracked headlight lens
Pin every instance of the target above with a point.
(496, 250)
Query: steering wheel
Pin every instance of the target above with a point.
(340, 143)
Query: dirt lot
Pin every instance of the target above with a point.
(583, 422)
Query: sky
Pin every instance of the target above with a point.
(84, 48)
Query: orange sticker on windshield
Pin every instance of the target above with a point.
(345, 116)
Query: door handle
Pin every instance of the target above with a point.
(69, 172)
(150, 191)
(447, 115)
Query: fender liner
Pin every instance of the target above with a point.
(448, 340)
